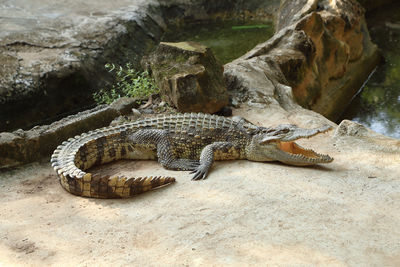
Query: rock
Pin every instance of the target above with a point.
(21, 146)
(54, 55)
(119, 120)
(136, 113)
(321, 48)
(235, 102)
(124, 105)
(189, 77)
(339, 59)
(350, 128)
(352, 137)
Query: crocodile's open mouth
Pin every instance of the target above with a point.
(298, 152)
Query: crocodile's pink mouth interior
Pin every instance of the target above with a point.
(293, 148)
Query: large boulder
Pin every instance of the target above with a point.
(323, 50)
(52, 56)
(189, 77)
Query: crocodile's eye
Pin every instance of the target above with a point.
(286, 130)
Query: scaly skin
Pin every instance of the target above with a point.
(180, 142)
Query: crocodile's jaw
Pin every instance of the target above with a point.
(286, 152)
(295, 154)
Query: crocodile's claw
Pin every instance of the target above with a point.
(200, 173)
(182, 165)
(189, 165)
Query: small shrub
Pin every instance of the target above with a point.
(128, 82)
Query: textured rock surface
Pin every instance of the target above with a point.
(321, 48)
(350, 133)
(189, 77)
(55, 53)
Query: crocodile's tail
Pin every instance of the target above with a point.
(111, 187)
(72, 157)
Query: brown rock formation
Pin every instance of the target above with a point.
(189, 77)
(323, 50)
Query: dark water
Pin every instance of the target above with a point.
(228, 39)
(378, 104)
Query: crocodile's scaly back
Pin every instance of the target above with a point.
(189, 133)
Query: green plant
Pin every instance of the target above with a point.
(128, 82)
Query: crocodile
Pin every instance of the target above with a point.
(189, 142)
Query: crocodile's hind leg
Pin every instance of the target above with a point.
(217, 150)
(164, 153)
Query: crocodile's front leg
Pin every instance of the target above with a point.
(164, 153)
(207, 157)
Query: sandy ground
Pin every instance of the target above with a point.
(346, 213)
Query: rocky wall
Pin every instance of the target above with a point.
(323, 50)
